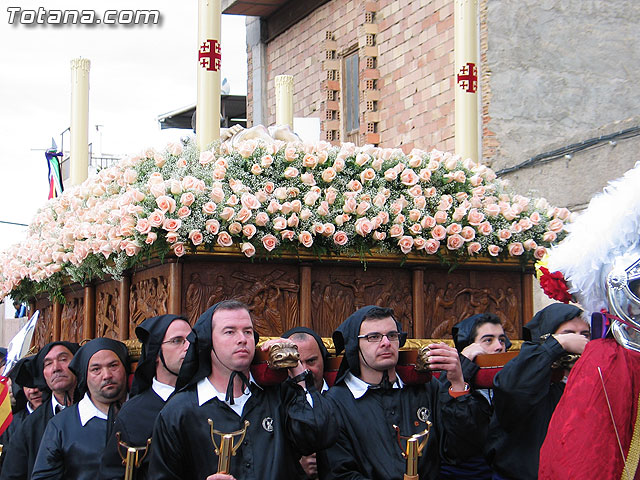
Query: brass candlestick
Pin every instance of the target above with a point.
(226, 448)
(415, 445)
(131, 458)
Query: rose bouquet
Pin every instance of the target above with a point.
(265, 198)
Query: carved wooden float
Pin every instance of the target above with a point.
(293, 289)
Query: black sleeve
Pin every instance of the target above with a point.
(50, 460)
(343, 465)
(111, 467)
(16, 456)
(469, 369)
(165, 462)
(525, 381)
(309, 428)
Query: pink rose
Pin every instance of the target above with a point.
(181, 163)
(249, 201)
(414, 215)
(290, 154)
(279, 223)
(432, 246)
(329, 174)
(384, 217)
(441, 216)
(217, 194)
(377, 164)
(175, 148)
(549, 236)
(248, 249)
(556, 225)
(187, 199)
(184, 212)
(171, 237)
(438, 232)
(379, 236)
(339, 164)
(350, 205)
(446, 201)
(485, 228)
(227, 213)
(493, 210)
(178, 249)
(212, 226)
(494, 250)
(274, 207)
(290, 172)
(206, 158)
(468, 233)
(209, 208)
(504, 234)
(269, 187)
(323, 209)
(305, 238)
(362, 208)
(340, 238)
(420, 202)
(232, 200)
(171, 224)
(535, 218)
(269, 242)
(405, 243)
(454, 228)
(415, 229)
(143, 226)
(151, 237)
(189, 182)
(255, 169)
(329, 229)
(530, 245)
(249, 231)
(131, 249)
(224, 239)
(318, 228)
(309, 161)
(396, 231)
(363, 227)
(367, 175)
(428, 222)
(262, 219)
(473, 248)
(361, 159)
(415, 191)
(196, 237)
(459, 213)
(454, 242)
(159, 160)
(419, 243)
(293, 221)
(408, 177)
(219, 173)
(166, 204)
(515, 249)
(390, 175)
(354, 186)
(130, 175)
(308, 179)
(287, 234)
(475, 217)
(156, 218)
(330, 194)
(540, 252)
(562, 214)
(246, 148)
(266, 161)
(234, 228)
(430, 192)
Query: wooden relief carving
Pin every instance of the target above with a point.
(72, 320)
(43, 333)
(447, 304)
(107, 312)
(148, 298)
(271, 293)
(335, 296)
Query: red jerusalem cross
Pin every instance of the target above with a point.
(468, 78)
(209, 55)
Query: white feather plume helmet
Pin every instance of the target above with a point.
(607, 229)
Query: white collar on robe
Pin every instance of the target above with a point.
(359, 387)
(88, 410)
(163, 390)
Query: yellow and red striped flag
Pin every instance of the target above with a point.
(6, 416)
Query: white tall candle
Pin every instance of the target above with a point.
(284, 100)
(79, 120)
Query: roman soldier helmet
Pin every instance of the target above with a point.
(600, 258)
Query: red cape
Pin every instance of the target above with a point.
(581, 442)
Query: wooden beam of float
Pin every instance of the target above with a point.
(209, 66)
(79, 120)
(467, 82)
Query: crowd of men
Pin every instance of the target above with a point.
(193, 384)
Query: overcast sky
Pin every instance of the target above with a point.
(137, 73)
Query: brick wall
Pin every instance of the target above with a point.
(415, 43)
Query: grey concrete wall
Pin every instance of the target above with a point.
(560, 71)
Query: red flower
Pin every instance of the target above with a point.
(554, 285)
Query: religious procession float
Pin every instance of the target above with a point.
(304, 233)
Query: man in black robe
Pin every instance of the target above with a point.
(371, 399)
(527, 390)
(313, 357)
(73, 441)
(25, 401)
(51, 374)
(478, 334)
(164, 345)
(220, 388)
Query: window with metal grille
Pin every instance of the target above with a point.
(351, 97)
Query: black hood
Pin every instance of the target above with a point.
(346, 338)
(151, 333)
(38, 378)
(197, 361)
(21, 375)
(461, 331)
(80, 363)
(548, 320)
(323, 350)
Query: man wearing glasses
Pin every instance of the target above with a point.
(164, 346)
(372, 400)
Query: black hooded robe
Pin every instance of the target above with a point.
(138, 415)
(68, 449)
(525, 397)
(278, 416)
(367, 447)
